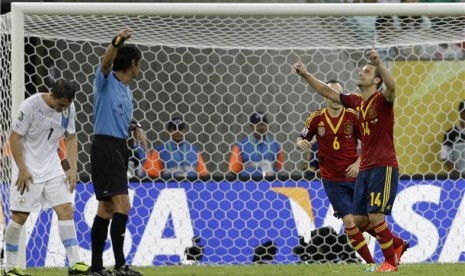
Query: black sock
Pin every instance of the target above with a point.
(117, 231)
(99, 235)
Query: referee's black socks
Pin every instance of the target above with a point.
(117, 232)
(99, 235)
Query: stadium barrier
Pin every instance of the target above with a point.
(231, 218)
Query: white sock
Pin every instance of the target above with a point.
(12, 235)
(67, 232)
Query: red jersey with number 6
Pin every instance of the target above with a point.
(376, 117)
(337, 141)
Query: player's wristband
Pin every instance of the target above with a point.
(117, 41)
(65, 165)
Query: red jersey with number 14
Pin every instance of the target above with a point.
(337, 141)
(376, 117)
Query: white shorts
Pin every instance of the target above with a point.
(46, 194)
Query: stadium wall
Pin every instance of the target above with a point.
(426, 107)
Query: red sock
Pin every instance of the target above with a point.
(359, 244)
(395, 240)
(385, 239)
(369, 229)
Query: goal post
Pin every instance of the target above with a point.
(214, 64)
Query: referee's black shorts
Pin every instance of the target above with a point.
(109, 161)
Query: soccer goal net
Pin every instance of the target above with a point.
(214, 65)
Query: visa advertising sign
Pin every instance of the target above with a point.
(232, 218)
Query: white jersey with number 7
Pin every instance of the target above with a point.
(41, 128)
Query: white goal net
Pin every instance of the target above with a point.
(214, 72)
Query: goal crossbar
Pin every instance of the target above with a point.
(19, 10)
(242, 9)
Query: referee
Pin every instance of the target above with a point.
(109, 152)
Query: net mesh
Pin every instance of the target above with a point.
(216, 71)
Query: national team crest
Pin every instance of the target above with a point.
(321, 129)
(348, 128)
(372, 113)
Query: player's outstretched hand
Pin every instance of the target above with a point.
(24, 179)
(373, 55)
(299, 67)
(305, 145)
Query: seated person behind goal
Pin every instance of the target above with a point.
(258, 154)
(136, 158)
(176, 157)
(453, 147)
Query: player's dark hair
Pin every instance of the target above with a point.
(462, 106)
(258, 117)
(377, 75)
(63, 89)
(176, 123)
(126, 54)
(334, 81)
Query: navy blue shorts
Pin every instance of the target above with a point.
(340, 195)
(375, 191)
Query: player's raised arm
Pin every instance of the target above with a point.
(112, 49)
(320, 87)
(389, 82)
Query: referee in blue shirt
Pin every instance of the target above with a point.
(109, 152)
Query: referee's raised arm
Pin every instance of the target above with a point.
(112, 49)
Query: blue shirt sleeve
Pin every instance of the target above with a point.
(100, 79)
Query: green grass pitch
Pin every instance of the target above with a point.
(457, 269)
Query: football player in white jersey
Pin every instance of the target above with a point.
(38, 179)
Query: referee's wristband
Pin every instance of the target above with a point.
(117, 41)
(134, 124)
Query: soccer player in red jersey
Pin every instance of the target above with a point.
(337, 130)
(377, 182)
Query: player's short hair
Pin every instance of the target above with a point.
(377, 75)
(258, 117)
(63, 89)
(124, 57)
(336, 81)
(176, 123)
(462, 106)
